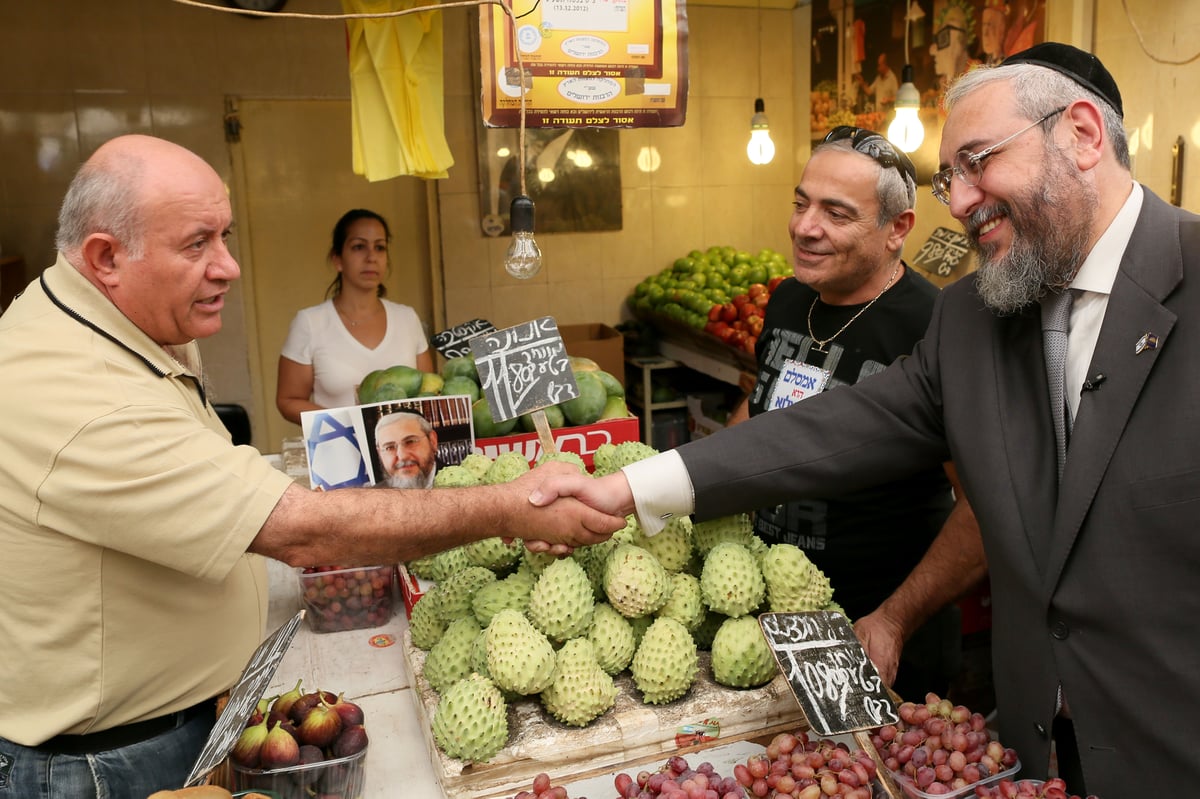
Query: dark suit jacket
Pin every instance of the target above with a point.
(1095, 585)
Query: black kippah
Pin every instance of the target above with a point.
(1078, 65)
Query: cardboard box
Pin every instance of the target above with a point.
(701, 409)
(603, 344)
(583, 440)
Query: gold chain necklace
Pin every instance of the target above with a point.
(820, 345)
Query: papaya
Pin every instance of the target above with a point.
(615, 408)
(554, 415)
(587, 407)
(461, 385)
(612, 386)
(485, 425)
(462, 366)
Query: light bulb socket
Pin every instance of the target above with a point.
(520, 214)
(907, 95)
(759, 120)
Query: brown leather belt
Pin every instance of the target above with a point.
(126, 734)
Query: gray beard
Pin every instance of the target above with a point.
(1050, 243)
(419, 481)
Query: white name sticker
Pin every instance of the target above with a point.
(797, 381)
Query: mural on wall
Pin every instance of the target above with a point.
(858, 52)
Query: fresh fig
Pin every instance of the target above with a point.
(351, 713)
(351, 741)
(301, 706)
(283, 703)
(310, 754)
(249, 744)
(280, 750)
(320, 726)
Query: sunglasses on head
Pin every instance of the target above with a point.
(871, 144)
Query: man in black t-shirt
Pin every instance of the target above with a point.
(853, 308)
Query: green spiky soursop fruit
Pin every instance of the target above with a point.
(421, 567)
(511, 592)
(426, 625)
(794, 583)
(471, 720)
(665, 663)
(519, 657)
(535, 562)
(477, 463)
(446, 563)
(672, 545)
(492, 553)
(455, 476)
(581, 690)
(707, 631)
(572, 458)
(449, 659)
(613, 641)
(635, 582)
(457, 591)
(508, 466)
(561, 602)
(731, 582)
(736, 528)
(741, 656)
(684, 604)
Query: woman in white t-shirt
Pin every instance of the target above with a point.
(330, 347)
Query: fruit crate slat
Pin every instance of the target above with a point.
(630, 732)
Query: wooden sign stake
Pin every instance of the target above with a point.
(542, 424)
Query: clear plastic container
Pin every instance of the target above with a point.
(348, 598)
(911, 790)
(343, 777)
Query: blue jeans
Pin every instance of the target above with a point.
(131, 772)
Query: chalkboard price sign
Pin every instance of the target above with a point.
(456, 342)
(243, 698)
(831, 676)
(524, 368)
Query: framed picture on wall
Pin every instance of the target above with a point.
(859, 52)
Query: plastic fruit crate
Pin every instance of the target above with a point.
(338, 598)
(343, 777)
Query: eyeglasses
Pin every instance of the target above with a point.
(879, 149)
(969, 166)
(943, 35)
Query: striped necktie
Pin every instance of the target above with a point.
(1056, 324)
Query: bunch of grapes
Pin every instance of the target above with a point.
(677, 780)
(1054, 788)
(796, 767)
(542, 789)
(943, 748)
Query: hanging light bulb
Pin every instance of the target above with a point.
(523, 258)
(760, 149)
(906, 131)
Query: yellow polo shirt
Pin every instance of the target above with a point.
(125, 513)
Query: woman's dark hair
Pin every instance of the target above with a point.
(340, 231)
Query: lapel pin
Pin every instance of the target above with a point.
(1148, 341)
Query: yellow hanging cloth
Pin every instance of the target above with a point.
(396, 90)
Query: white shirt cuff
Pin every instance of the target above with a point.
(662, 490)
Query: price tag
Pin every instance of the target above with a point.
(524, 368)
(828, 671)
(455, 342)
(243, 698)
